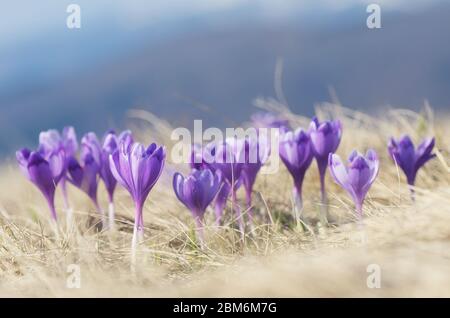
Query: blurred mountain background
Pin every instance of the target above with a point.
(209, 60)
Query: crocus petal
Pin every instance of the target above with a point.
(338, 171)
(423, 153)
(178, 181)
(69, 141)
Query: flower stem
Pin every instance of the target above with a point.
(359, 212)
(218, 209)
(322, 165)
(200, 231)
(101, 212)
(248, 198)
(298, 203)
(411, 191)
(237, 209)
(138, 234)
(111, 215)
(51, 205)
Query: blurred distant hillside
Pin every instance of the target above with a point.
(222, 61)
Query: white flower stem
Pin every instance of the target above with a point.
(138, 237)
(200, 229)
(298, 204)
(237, 209)
(111, 215)
(69, 217)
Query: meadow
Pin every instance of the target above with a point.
(409, 241)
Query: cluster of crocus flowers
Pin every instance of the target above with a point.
(83, 171)
(235, 162)
(410, 159)
(52, 141)
(218, 169)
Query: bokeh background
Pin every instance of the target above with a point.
(209, 59)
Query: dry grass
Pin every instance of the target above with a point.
(410, 242)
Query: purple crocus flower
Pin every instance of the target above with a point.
(51, 141)
(256, 152)
(325, 139)
(228, 157)
(196, 192)
(408, 158)
(110, 144)
(197, 162)
(297, 154)
(85, 175)
(137, 169)
(357, 178)
(45, 170)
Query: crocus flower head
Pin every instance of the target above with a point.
(256, 152)
(45, 170)
(197, 190)
(85, 176)
(408, 158)
(296, 153)
(52, 140)
(357, 178)
(137, 169)
(110, 144)
(325, 137)
(228, 157)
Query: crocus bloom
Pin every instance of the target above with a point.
(408, 158)
(85, 176)
(110, 145)
(297, 154)
(325, 139)
(357, 178)
(256, 152)
(196, 192)
(137, 169)
(228, 157)
(44, 170)
(51, 141)
(197, 162)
